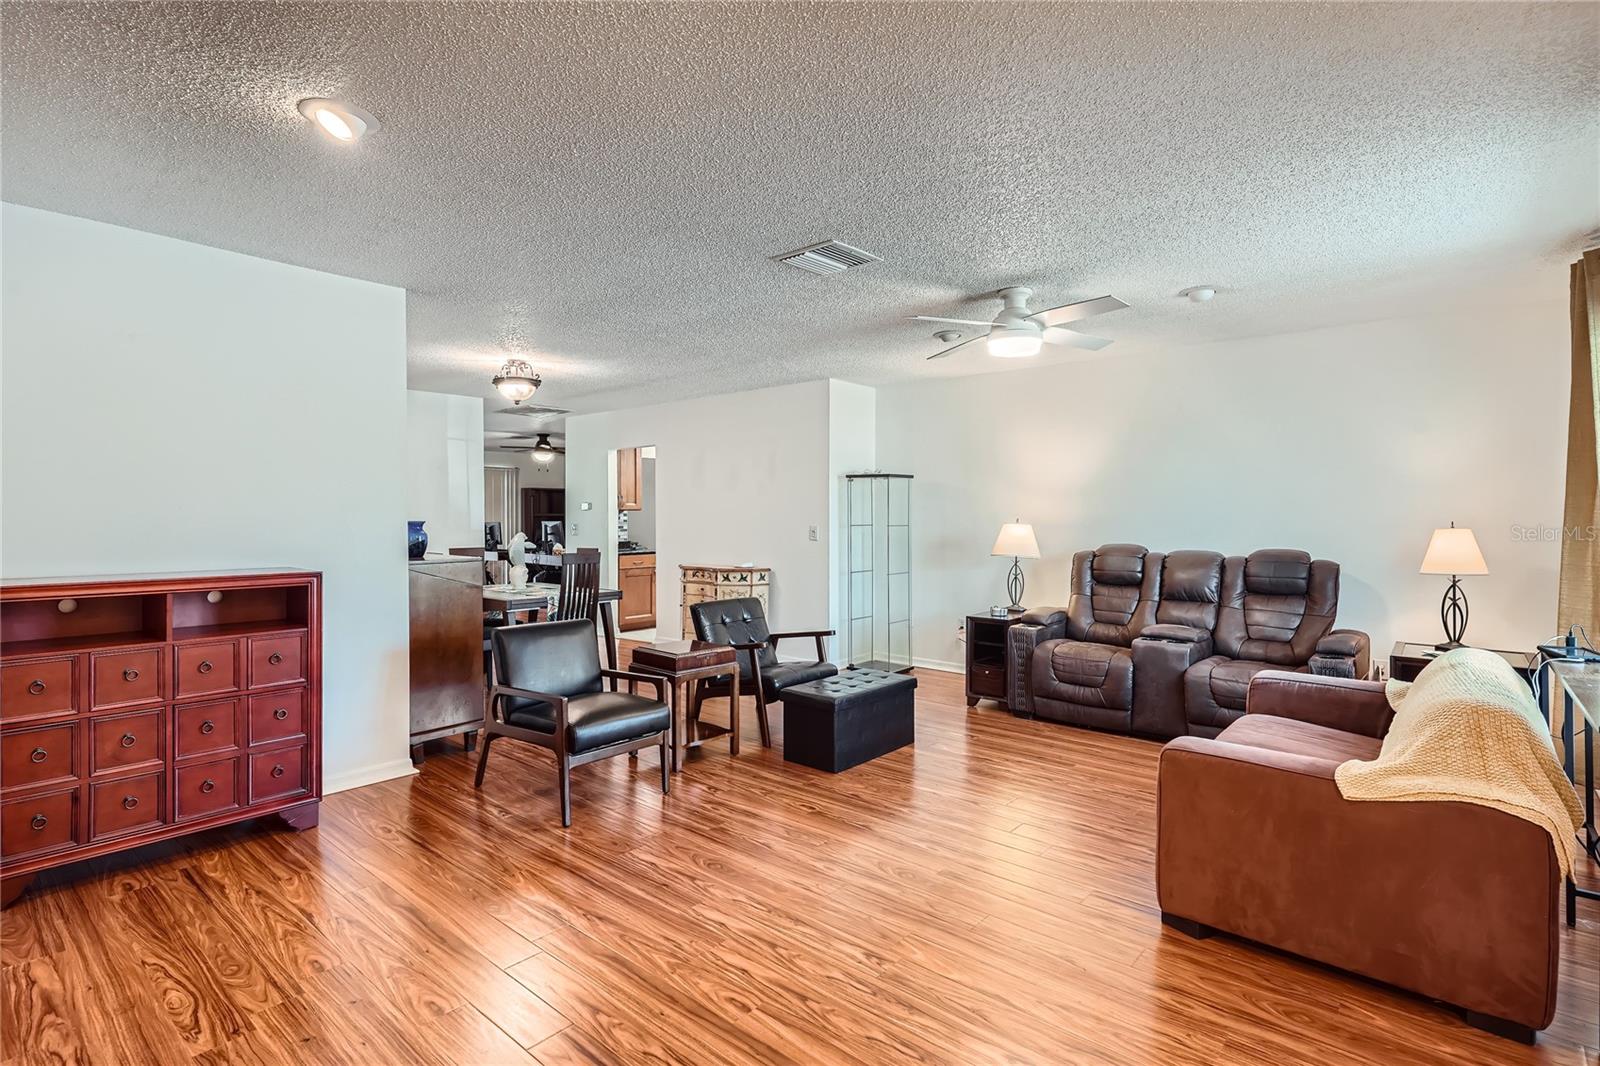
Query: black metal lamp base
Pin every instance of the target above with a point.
(1449, 645)
(1014, 583)
(1453, 613)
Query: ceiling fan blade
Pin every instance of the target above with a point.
(1069, 338)
(954, 321)
(955, 347)
(1060, 316)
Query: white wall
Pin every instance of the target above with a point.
(739, 479)
(444, 468)
(168, 406)
(1351, 443)
(852, 449)
(530, 475)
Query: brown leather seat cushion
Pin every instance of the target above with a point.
(1332, 746)
(1098, 675)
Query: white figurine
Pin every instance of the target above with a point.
(517, 552)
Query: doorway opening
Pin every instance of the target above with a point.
(635, 526)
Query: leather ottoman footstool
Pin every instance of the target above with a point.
(840, 722)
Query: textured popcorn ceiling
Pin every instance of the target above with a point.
(600, 186)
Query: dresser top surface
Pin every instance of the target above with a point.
(175, 577)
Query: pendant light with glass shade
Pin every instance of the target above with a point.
(517, 381)
(543, 452)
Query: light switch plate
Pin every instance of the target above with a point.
(586, 506)
(811, 531)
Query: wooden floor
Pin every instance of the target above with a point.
(985, 898)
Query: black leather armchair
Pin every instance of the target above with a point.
(549, 693)
(742, 623)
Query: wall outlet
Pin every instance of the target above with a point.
(811, 532)
(586, 506)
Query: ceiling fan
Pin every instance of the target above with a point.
(542, 450)
(1017, 332)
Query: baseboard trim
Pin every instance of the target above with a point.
(367, 775)
(938, 664)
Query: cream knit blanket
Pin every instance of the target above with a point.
(1467, 730)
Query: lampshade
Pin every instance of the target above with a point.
(1454, 552)
(1016, 538)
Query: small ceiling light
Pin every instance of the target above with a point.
(542, 451)
(517, 381)
(1014, 343)
(341, 122)
(1199, 293)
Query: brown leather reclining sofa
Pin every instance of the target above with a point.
(1450, 900)
(1165, 645)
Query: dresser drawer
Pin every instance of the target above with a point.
(277, 715)
(207, 788)
(204, 727)
(277, 660)
(207, 668)
(117, 742)
(127, 805)
(700, 575)
(695, 591)
(38, 824)
(36, 756)
(987, 680)
(125, 677)
(276, 774)
(33, 688)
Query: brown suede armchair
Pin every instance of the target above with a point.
(1453, 901)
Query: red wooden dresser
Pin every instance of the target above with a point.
(139, 708)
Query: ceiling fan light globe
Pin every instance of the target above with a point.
(1014, 344)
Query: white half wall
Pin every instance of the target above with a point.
(1352, 443)
(168, 406)
(740, 478)
(444, 468)
(852, 449)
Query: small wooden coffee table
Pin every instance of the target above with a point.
(683, 662)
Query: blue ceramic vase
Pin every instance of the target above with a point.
(416, 540)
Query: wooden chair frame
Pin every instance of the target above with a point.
(755, 679)
(494, 725)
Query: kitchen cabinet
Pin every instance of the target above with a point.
(630, 478)
(636, 580)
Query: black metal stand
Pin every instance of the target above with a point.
(1014, 582)
(1453, 613)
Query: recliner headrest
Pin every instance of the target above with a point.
(1277, 572)
(1192, 576)
(1119, 564)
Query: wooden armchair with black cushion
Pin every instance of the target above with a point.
(548, 692)
(742, 623)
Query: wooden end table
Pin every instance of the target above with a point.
(1407, 660)
(683, 662)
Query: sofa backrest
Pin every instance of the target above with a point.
(1191, 589)
(1114, 593)
(1276, 604)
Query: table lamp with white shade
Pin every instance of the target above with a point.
(1016, 539)
(1453, 552)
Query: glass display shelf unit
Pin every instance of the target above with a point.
(878, 572)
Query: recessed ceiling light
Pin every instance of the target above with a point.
(1199, 293)
(340, 122)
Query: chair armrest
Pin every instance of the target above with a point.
(1175, 634)
(1046, 616)
(656, 681)
(500, 692)
(1261, 844)
(1343, 653)
(820, 634)
(1021, 640)
(1352, 705)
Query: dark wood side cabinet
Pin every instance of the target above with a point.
(446, 596)
(636, 579)
(135, 709)
(986, 657)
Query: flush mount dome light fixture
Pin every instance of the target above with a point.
(542, 450)
(517, 381)
(1015, 342)
(340, 122)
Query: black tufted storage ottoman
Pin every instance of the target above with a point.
(840, 722)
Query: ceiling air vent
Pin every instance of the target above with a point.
(829, 257)
(533, 410)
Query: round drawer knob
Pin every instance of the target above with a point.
(208, 726)
(36, 688)
(205, 666)
(280, 714)
(128, 740)
(277, 771)
(130, 802)
(39, 821)
(130, 675)
(38, 755)
(274, 658)
(208, 785)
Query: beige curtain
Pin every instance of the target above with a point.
(1579, 602)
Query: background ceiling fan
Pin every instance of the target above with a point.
(542, 450)
(1017, 332)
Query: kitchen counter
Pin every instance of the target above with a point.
(636, 551)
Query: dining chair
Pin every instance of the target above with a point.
(743, 624)
(548, 693)
(579, 592)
